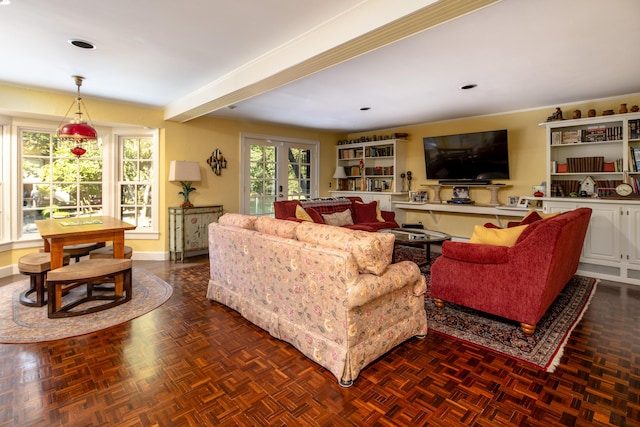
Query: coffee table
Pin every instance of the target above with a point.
(416, 237)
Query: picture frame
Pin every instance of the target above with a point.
(418, 196)
(460, 192)
(523, 202)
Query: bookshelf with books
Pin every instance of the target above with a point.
(605, 148)
(373, 170)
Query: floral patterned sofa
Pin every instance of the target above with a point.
(331, 292)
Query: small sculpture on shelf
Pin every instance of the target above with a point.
(404, 183)
(409, 177)
(577, 114)
(557, 115)
(592, 113)
(635, 108)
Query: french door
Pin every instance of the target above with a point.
(276, 168)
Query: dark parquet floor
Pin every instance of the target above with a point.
(192, 362)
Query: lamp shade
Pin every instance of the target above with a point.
(340, 173)
(78, 132)
(182, 170)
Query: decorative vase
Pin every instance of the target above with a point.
(623, 108)
(635, 108)
(592, 113)
(577, 114)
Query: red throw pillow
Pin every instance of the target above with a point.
(531, 217)
(315, 215)
(490, 225)
(365, 212)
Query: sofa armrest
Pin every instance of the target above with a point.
(397, 276)
(475, 253)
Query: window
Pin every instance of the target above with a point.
(117, 176)
(135, 180)
(56, 183)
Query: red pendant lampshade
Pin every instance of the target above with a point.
(77, 131)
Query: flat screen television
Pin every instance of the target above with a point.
(475, 157)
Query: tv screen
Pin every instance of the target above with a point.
(480, 156)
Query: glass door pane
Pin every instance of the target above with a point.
(276, 170)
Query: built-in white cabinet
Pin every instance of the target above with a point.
(597, 154)
(610, 249)
(188, 230)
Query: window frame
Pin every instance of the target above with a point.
(11, 236)
(119, 135)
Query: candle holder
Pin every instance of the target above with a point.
(217, 162)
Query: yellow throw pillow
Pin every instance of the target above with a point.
(496, 236)
(302, 214)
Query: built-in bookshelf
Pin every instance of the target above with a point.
(374, 166)
(605, 149)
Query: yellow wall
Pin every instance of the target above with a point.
(196, 139)
(527, 156)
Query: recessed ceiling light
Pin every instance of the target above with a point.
(82, 44)
(469, 86)
(5, 2)
(365, 108)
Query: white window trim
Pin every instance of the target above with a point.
(153, 233)
(277, 140)
(11, 180)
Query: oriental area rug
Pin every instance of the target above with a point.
(542, 350)
(21, 324)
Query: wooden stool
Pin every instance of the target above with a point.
(80, 250)
(107, 253)
(36, 265)
(89, 273)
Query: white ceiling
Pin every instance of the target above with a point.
(315, 63)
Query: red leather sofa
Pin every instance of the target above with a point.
(363, 215)
(518, 282)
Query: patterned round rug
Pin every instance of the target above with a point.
(22, 324)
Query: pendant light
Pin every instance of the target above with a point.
(77, 131)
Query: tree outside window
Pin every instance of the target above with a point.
(55, 183)
(135, 180)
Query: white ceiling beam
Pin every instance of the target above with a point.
(366, 27)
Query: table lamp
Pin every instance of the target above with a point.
(184, 172)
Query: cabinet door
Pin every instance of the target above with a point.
(633, 235)
(195, 231)
(603, 236)
(602, 241)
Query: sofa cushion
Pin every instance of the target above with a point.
(315, 215)
(276, 227)
(496, 236)
(532, 216)
(285, 208)
(372, 251)
(238, 220)
(302, 214)
(339, 218)
(367, 212)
